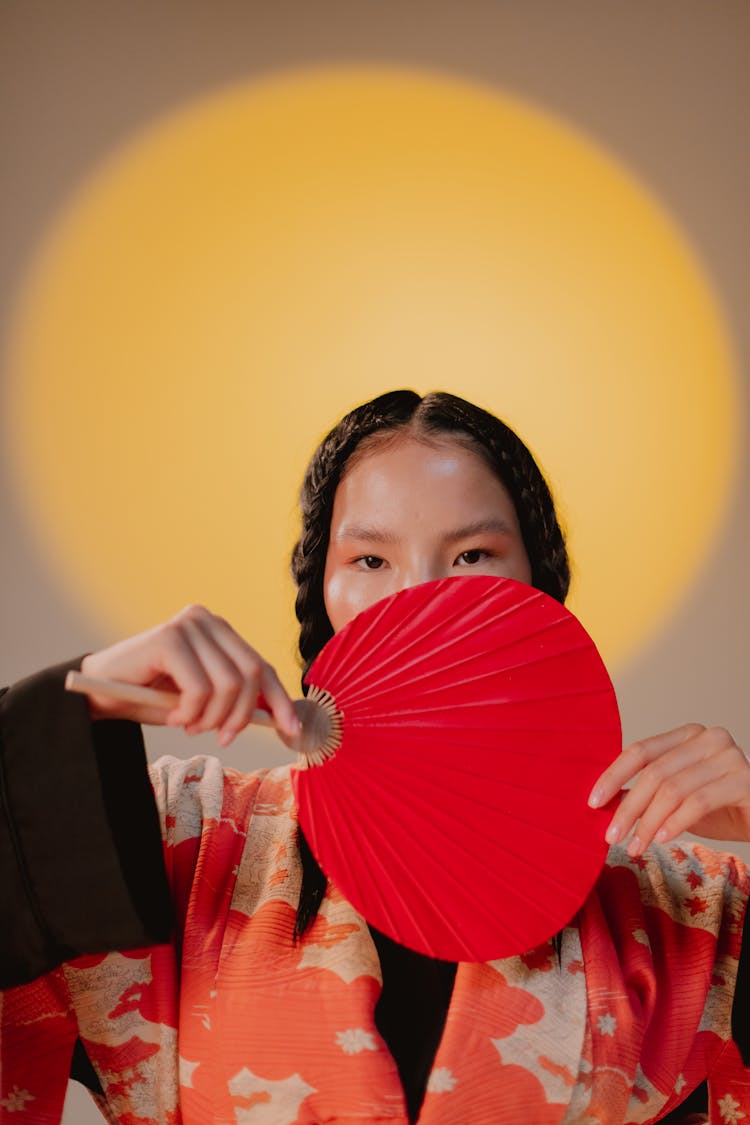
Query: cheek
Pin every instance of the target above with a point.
(343, 600)
(346, 592)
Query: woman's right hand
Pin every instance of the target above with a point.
(198, 655)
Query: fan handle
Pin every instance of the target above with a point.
(321, 720)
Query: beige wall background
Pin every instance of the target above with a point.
(663, 85)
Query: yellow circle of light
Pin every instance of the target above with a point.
(233, 279)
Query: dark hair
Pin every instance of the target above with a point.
(435, 415)
(432, 416)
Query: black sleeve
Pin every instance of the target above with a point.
(81, 867)
(741, 1002)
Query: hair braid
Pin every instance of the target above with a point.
(542, 535)
(386, 413)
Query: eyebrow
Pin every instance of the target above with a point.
(362, 533)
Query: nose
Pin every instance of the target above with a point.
(419, 571)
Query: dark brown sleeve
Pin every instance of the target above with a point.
(81, 867)
(741, 1003)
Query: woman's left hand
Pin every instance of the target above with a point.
(692, 779)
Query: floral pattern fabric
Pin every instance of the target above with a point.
(236, 1022)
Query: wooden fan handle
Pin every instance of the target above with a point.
(319, 738)
(134, 693)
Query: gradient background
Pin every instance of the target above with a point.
(663, 86)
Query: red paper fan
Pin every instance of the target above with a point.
(477, 714)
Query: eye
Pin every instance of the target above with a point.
(472, 557)
(370, 562)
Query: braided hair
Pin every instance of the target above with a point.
(434, 416)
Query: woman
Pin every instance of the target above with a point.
(275, 1002)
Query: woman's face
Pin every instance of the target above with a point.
(411, 512)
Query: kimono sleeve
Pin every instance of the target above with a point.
(81, 867)
(666, 1010)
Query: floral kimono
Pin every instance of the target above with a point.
(237, 1022)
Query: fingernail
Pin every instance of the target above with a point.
(596, 798)
(634, 847)
(225, 738)
(661, 836)
(294, 728)
(613, 834)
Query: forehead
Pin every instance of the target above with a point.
(409, 477)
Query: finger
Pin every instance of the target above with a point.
(685, 797)
(242, 712)
(227, 680)
(731, 800)
(636, 757)
(281, 706)
(179, 662)
(160, 657)
(258, 676)
(660, 775)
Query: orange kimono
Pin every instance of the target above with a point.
(235, 1022)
